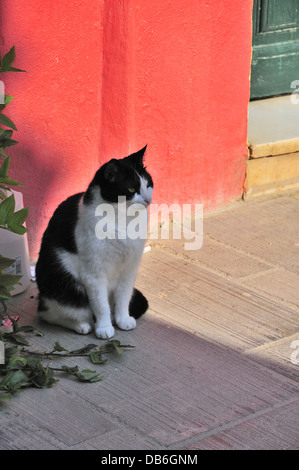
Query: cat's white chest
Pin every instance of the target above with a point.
(109, 256)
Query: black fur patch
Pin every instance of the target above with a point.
(116, 176)
(138, 304)
(53, 281)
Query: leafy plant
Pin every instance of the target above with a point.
(7, 281)
(24, 368)
(9, 219)
(7, 60)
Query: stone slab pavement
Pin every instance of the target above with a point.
(215, 363)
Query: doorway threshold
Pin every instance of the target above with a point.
(273, 146)
(273, 126)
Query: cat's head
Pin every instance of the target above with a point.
(123, 177)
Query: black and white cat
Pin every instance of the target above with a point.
(82, 279)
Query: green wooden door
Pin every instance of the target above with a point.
(275, 47)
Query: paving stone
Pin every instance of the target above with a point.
(211, 367)
(280, 284)
(276, 429)
(266, 229)
(70, 420)
(212, 306)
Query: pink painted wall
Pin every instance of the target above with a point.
(106, 77)
(192, 91)
(57, 102)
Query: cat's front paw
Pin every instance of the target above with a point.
(105, 332)
(126, 323)
(83, 328)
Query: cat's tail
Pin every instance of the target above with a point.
(138, 304)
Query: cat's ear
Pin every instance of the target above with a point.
(137, 157)
(112, 171)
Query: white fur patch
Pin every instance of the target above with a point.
(78, 319)
(107, 268)
(146, 193)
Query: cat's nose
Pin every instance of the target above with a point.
(147, 201)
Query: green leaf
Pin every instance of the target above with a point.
(38, 333)
(10, 352)
(40, 376)
(5, 262)
(70, 370)
(7, 142)
(2, 195)
(19, 217)
(16, 363)
(59, 348)
(34, 363)
(84, 350)
(7, 208)
(15, 324)
(96, 358)
(5, 134)
(113, 345)
(7, 100)
(8, 59)
(26, 328)
(4, 294)
(6, 121)
(14, 380)
(9, 280)
(18, 229)
(9, 68)
(4, 167)
(88, 375)
(9, 181)
(85, 375)
(12, 220)
(18, 339)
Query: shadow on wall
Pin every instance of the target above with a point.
(26, 167)
(57, 102)
(42, 176)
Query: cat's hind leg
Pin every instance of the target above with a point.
(78, 319)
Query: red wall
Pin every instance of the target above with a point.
(106, 77)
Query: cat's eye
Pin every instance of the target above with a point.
(131, 190)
